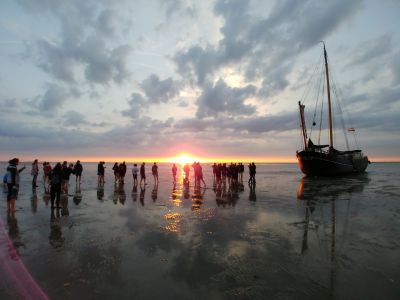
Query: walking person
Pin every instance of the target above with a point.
(35, 173)
(46, 173)
(78, 169)
(135, 171)
(115, 168)
(214, 168)
(13, 183)
(142, 174)
(186, 169)
(154, 171)
(174, 170)
(65, 175)
(199, 171)
(55, 185)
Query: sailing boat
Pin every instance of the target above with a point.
(325, 160)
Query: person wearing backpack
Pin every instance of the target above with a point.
(12, 183)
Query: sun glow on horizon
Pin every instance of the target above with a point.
(184, 159)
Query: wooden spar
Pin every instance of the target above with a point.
(328, 90)
(303, 124)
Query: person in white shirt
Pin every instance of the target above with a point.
(135, 171)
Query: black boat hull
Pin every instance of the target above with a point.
(314, 163)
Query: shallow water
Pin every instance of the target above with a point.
(289, 238)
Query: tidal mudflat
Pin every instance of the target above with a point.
(289, 238)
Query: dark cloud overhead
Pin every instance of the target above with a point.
(53, 98)
(221, 99)
(158, 91)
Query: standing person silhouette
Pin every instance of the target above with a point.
(186, 169)
(121, 173)
(252, 173)
(100, 173)
(78, 169)
(13, 183)
(135, 171)
(142, 174)
(55, 185)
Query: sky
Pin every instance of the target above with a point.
(217, 80)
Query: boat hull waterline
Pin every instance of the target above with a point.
(314, 163)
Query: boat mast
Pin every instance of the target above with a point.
(303, 124)
(328, 90)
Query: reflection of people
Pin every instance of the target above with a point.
(46, 197)
(77, 196)
(142, 192)
(100, 193)
(173, 193)
(13, 232)
(34, 200)
(64, 205)
(121, 195)
(154, 192)
(252, 194)
(55, 238)
(197, 197)
(186, 192)
(134, 192)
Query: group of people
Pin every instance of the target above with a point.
(120, 170)
(233, 172)
(56, 180)
(198, 173)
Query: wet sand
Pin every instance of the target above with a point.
(289, 238)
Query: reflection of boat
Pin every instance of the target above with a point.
(325, 160)
(328, 189)
(321, 194)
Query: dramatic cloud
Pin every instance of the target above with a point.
(137, 104)
(265, 47)
(158, 91)
(371, 50)
(222, 99)
(74, 118)
(53, 99)
(83, 43)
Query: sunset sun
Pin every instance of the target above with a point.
(184, 158)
